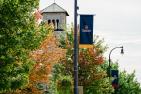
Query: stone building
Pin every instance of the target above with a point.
(56, 15)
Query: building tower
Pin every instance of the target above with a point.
(56, 15)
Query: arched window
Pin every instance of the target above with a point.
(53, 21)
(57, 21)
(49, 21)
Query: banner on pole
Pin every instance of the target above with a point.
(86, 31)
(114, 74)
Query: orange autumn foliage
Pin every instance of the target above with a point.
(92, 55)
(46, 56)
(89, 59)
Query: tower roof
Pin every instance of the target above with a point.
(54, 8)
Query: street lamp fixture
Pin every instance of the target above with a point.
(122, 52)
(109, 68)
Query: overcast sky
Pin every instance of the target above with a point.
(118, 22)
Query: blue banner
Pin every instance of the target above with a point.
(114, 73)
(115, 81)
(86, 29)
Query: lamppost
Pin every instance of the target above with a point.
(75, 60)
(122, 52)
(109, 68)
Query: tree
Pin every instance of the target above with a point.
(92, 70)
(19, 35)
(127, 81)
(91, 75)
(46, 56)
(128, 84)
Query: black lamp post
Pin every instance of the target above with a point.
(109, 68)
(122, 52)
(75, 60)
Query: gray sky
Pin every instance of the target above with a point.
(118, 22)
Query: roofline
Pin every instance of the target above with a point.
(56, 12)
